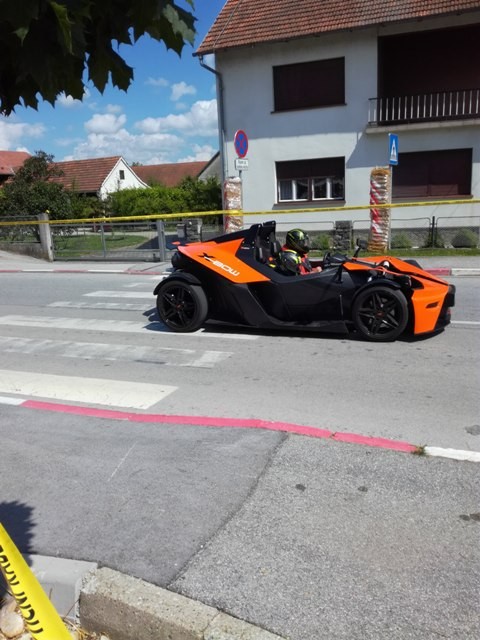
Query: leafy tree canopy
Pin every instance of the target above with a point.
(47, 45)
(31, 192)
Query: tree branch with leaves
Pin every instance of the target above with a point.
(51, 47)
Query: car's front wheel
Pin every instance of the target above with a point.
(182, 306)
(380, 313)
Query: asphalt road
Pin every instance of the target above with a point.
(309, 538)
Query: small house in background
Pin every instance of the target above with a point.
(98, 176)
(10, 162)
(171, 175)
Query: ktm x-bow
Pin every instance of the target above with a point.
(234, 278)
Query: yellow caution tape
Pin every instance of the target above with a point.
(40, 616)
(271, 213)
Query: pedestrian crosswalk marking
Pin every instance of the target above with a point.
(121, 294)
(117, 306)
(98, 391)
(166, 356)
(117, 326)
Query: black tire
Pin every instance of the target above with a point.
(182, 307)
(380, 313)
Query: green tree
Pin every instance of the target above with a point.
(190, 196)
(201, 195)
(31, 190)
(52, 46)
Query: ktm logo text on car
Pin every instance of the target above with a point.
(219, 264)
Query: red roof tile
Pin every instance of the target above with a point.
(85, 176)
(248, 22)
(170, 175)
(11, 160)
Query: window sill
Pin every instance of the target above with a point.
(318, 106)
(309, 204)
(414, 199)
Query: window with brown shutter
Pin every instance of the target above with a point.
(305, 85)
(429, 174)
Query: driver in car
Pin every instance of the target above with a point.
(293, 259)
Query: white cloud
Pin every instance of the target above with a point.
(143, 148)
(203, 152)
(181, 89)
(67, 102)
(113, 108)
(157, 82)
(105, 123)
(13, 134)
(201, 120)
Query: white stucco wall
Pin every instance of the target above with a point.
(113, 182)
(324, 132)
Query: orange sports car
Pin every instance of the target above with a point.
(235, 278)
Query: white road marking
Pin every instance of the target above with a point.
(121, 294)
(122, 306)
(116, 393)
(454, 454)
(14, 401)
(117, 326)
(165, 356)
(466, 322)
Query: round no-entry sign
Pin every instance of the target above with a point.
(240, 142)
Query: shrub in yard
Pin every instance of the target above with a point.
(439, 242)
(401, 241)
(321, 242)
(465, 238)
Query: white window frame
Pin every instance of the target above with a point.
(310, 197)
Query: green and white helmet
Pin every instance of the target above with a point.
(298, 240)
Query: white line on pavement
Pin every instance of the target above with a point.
(166, 356)
(118, 326)
(121, 294)
(466, 322)
(14, 401)
(122, 306)
(116, 393)
(455, 454)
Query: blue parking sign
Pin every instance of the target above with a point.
(392, 148)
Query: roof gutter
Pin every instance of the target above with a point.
(221, 114)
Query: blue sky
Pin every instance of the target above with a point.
(169, 113)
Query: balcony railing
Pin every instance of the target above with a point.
(429, 107)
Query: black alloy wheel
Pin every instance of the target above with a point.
(380, 313)
(182, 307)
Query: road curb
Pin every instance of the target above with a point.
(124, 607)
(438, 271)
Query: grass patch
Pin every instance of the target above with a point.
(79, 245)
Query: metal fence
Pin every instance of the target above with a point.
(154, 240)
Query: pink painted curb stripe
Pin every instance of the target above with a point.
(439, 271)
(383, 443)
(238, 423)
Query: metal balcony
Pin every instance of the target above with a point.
(429, 107)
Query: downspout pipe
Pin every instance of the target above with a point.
(221, 115)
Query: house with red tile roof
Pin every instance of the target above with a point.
(10, 161)
(172, 174)
(318, 87)
(98, 176)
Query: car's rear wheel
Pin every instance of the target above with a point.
(380, 313)
(183, 307)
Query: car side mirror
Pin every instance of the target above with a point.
(362, 245)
